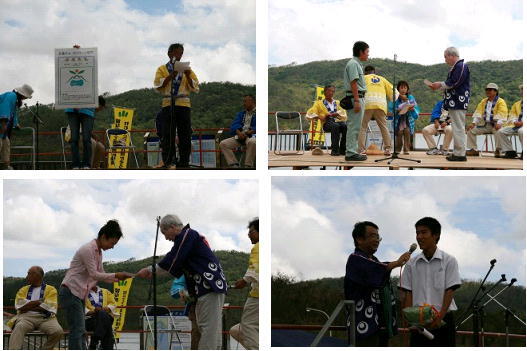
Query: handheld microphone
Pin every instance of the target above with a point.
(412, 248)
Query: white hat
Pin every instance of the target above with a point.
(25, 90)
(492, 86)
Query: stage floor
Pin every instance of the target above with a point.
(484, 161)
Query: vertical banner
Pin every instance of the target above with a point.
(121, 290)
(76, 83)
(118, 159)
(316, 135)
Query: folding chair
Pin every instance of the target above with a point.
(149, 312)
(31, 147)
(119, 144)
(297, 133)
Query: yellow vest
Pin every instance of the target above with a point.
(49, 302)
(254, 268)
(319, 109)
(514, 113)
(500, 111)
(377, 89)
(107, 301)
(184, 89)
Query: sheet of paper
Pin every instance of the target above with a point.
(181, 66)
(427, 82)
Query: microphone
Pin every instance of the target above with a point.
(493, 262)
(513, 280)
(412, 248)
(503, 279)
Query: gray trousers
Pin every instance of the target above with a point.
(353, 123)
(458, 131)
(208, 318)
(474, 132)
(503, 134)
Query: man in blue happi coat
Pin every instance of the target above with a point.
(191, 255)
(456, 100)
(367, 282)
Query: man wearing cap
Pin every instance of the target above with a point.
(378, 89)
(456, 99)
(355, 86)
(9, 102)
(488, 118)
(513, 126)
(36, 306)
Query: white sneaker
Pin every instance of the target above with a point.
(9, 168)
(86, 167)
(433, 151)
(75, 168)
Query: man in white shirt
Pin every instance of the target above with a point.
(431, 278)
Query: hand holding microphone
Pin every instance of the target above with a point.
(406, 256)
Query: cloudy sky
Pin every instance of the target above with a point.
(482, 218)
(417, 31)
(132, 37)
(46, 221)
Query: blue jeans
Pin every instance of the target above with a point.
(74, 308)
(75, 121)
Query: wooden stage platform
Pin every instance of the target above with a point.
(486, 161)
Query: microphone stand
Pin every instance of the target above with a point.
(395, 154)
(36, 121)
(475, 308)
(153, 286)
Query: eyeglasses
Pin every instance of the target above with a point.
(376, 237)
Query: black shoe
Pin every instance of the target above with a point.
(510, 154)
(342, 152)
(456, 158)
(335, 153)
(356, 157)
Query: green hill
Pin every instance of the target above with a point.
(289, 299)
(215, 106)
(291, 87)
(234, 264)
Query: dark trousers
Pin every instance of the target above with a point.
(181, 123)
(338, 132)
(444, 336)
(76, 120)
(101, 326)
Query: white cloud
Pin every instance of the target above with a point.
(55, 217)
(418, 31)
(218, 37)
(315, 242)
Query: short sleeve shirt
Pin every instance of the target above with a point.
(428, 280)
(354, 71)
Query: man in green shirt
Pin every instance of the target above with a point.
(355, 84)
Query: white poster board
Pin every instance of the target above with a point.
(76, 83)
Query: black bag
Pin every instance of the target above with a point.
(347, 102)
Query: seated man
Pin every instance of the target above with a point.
(100, 311)
(367, 282)
(333, 119)
(439, 120)
(36, 306)
(490, 113)
(244, 130)
(513, 126)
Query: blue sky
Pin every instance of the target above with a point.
(55, 217)
(418, 31)
(219, 39)
(477, 213)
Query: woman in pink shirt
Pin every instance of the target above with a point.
(85, 271)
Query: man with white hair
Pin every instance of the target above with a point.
(456, 99)
(488, 118)
(9, 103)
(513, 126)
(192, 256)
